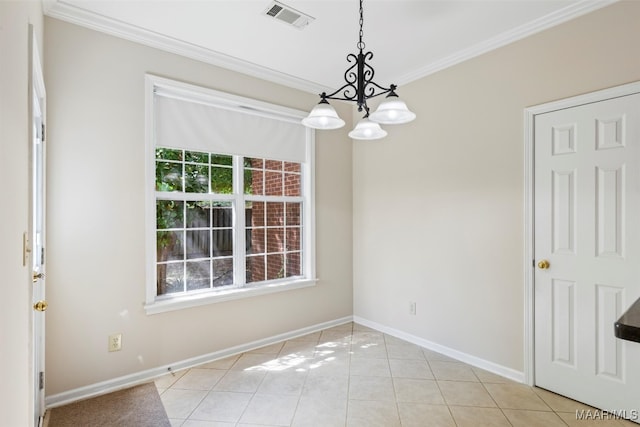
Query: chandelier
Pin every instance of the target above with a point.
(359, 87)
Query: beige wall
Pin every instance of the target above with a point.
(439, 204)
(16, 404)
(96, 281)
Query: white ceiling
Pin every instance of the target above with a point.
(409, 38)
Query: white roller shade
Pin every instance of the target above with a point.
(227, 129)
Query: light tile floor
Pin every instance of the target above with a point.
(352, 376)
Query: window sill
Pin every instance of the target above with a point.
(188, 301)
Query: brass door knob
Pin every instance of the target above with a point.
(543, 265)
(40, 306)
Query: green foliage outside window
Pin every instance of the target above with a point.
(198, 172)
(191, 172)
(199, 176)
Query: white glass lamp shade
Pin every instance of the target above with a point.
(323, 116)
(392, 111)
(366, 129)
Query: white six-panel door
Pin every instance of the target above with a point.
(587, 227)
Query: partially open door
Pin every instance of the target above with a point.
(36, 235)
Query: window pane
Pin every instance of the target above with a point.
(273, 165)
(248, 181)
(255, 268)
(169, 214)
(293, 213)
(292, 184)
(221, 180)
(254, 163)
(292, 167)
(196, 157)
(168, 176)
(218, 159)
(293, 239)
(197, 245)
(169, 245)
(168, 154)
(222, 272)
(248, 233)
(222, 244)
(275, 213)
(275, 240)
(170, 278)
(257, 181)
(256, 245)
(275, 267)
(198, 275)
(222, 215)
(273, 184)
(196, 178)
(257, 214)
(293, 264)
(198, 214)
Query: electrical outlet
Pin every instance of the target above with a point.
(115, 342)
(412, 308)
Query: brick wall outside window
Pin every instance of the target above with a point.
(275, 226)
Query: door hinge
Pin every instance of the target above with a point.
(25, 248)
(42, 134)
(41, 256)
(41, 381)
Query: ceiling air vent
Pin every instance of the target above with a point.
(288, 15)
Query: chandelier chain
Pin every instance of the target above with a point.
(360, 44)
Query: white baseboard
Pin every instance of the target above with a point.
(151, 374)
(504, 371)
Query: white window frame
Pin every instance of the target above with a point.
(158, 304)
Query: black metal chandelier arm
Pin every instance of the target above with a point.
(383, 90)
(370, 92)
(344, 90)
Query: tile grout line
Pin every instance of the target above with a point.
(346, 414)
(393, 385)
(492, 398)
(334, 337)
(201, 400)
(441, 393)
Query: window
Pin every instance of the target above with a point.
(194, 224)
(273, 226)
(230, 197)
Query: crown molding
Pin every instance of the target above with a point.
(556, 18)
(69, 13)
(66, 12)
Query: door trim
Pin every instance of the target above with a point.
(36, 90)
(529, 205)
